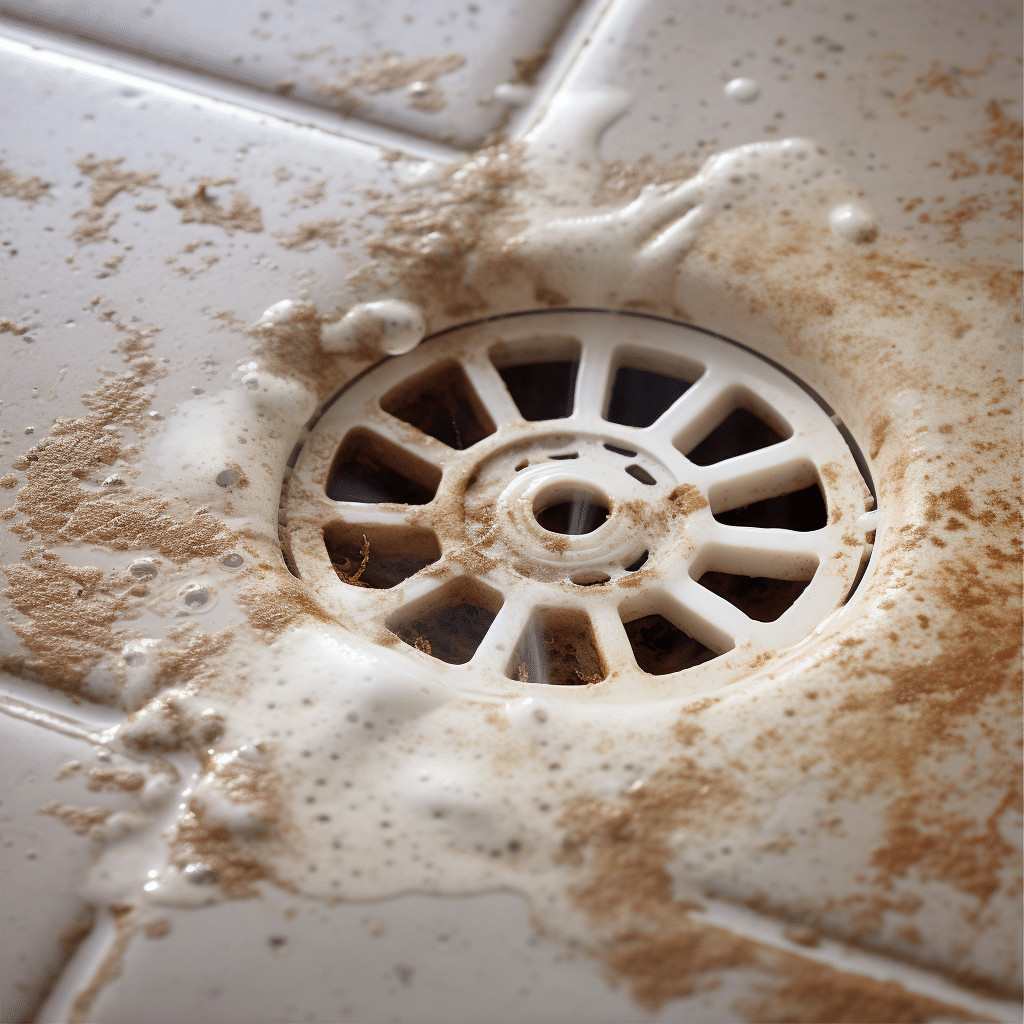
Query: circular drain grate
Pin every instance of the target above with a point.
(578, 497)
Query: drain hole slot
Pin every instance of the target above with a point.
(558, 648)
(443, 404)
(369, 469)
(540, 376)
(641, 474)
(621, 451)
(451, 623)
(589, 578)
(574, 511)
(640, 562)
(758, 597)
(378, 557)
(660, 647)
(641, 393)
(562, 458)
(740, 433)
(802, 511)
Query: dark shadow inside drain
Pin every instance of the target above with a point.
(540, 375)
(577, 516)
(451, 623)
(758, 597)
(739, 433)
(660, 647)
(640, 396)
(802, 511)
(370, 469)
(638, 563)
(442, 403)
(378, 557)
(629, 454)
(641, 474)
(558, 648)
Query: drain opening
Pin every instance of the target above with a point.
(621, 451)
(368, 469)
(378, 557)
(758, 597)
(641, 474)
(639, 563)
(803, 511)
(451, 623)
(557, 647)
(589, 578)
(578, 512)
(640, 395)
(660, 647)
(442, 403)
(540, 376)
(649, 364)
(740, 433)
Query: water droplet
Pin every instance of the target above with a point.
(232, 561)
(144, 569)
(227, 477)
(743, 90)
(196, 598)
(854, 222)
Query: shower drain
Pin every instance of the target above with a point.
(579, 498)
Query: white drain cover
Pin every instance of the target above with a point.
(581, 499)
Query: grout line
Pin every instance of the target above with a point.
(569, 49)
(840, 956)
(180, 85)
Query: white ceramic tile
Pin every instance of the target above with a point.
(305, 49)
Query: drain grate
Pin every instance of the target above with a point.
(579, 499)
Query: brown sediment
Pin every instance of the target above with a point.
(81, 820)
(18, 186)
(305, 237)
(200, 207)
(389, 72)
(109, 180)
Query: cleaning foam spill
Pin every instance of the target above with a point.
(391, 325)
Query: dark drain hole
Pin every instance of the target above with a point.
(621, 451)
(639, 397)
(450, 624)
(378, 557)
(661, 647)
(758, 597)
(443, 404)
(542, 391)
(572, 517)
(739, 433)
(558, 648)
(802, 511)
(562, 458)
(639, 563)
(369, 469)
(641, 474)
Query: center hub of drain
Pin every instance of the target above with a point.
(571, 514)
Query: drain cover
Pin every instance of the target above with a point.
(578, 498)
